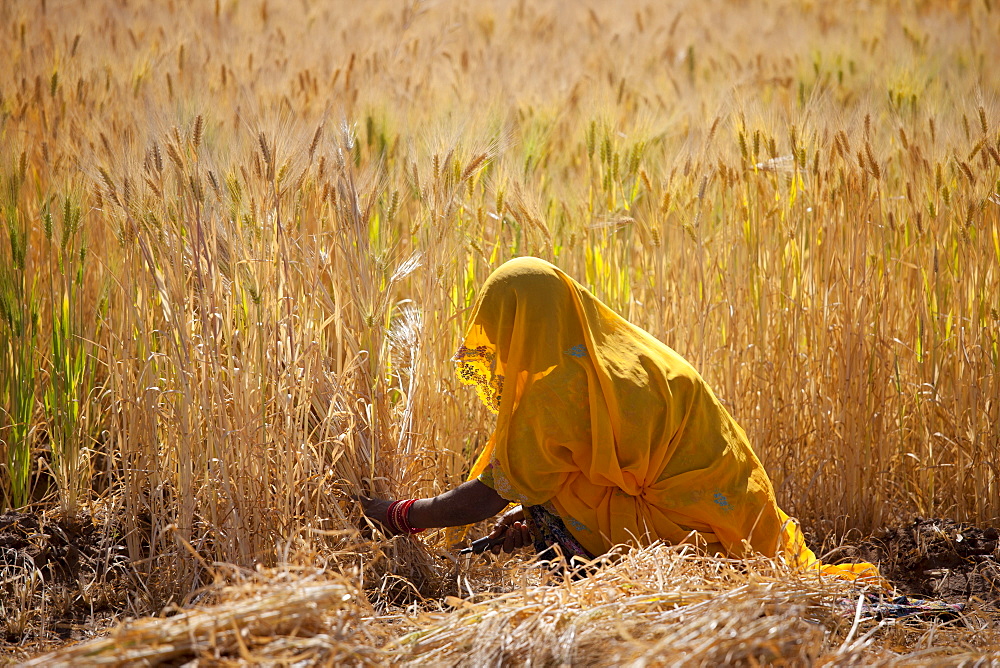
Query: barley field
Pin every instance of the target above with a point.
(238, 245)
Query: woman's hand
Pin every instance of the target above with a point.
(376, 509)
(514, 530)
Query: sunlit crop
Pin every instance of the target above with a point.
(239, 241)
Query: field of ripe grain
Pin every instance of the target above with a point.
(238, 244)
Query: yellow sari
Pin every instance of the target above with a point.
(613, 429)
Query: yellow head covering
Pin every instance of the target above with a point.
(610, 426)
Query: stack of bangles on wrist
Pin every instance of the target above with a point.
(398, 516)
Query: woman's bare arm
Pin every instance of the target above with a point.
(468, 503)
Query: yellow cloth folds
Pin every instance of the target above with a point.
(612, 428)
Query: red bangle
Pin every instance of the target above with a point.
(397, 516)
(405, 517)
(390, 519)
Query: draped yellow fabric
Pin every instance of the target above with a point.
(612, 428)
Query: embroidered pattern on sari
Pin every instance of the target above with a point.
(547, 530)
(477, 367)
(494, 478)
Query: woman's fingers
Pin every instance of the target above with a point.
(515, 537)
(516, 514)
(526, 539)
(502, 526)
(499, 531)
(510, 539)
(376, 509)
(513, 531)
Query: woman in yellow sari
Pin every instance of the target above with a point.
(604, 436)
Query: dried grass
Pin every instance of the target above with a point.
(259, 621)
(656, 606)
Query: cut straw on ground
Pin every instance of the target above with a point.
(656, 606)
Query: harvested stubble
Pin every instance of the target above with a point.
(270, 612)
(656, 606)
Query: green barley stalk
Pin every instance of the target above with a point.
(65, 394)
(18, 336)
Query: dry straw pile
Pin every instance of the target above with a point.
(239, 241)
(657, 606)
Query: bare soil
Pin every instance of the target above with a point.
(935, 558)
(59, 580)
